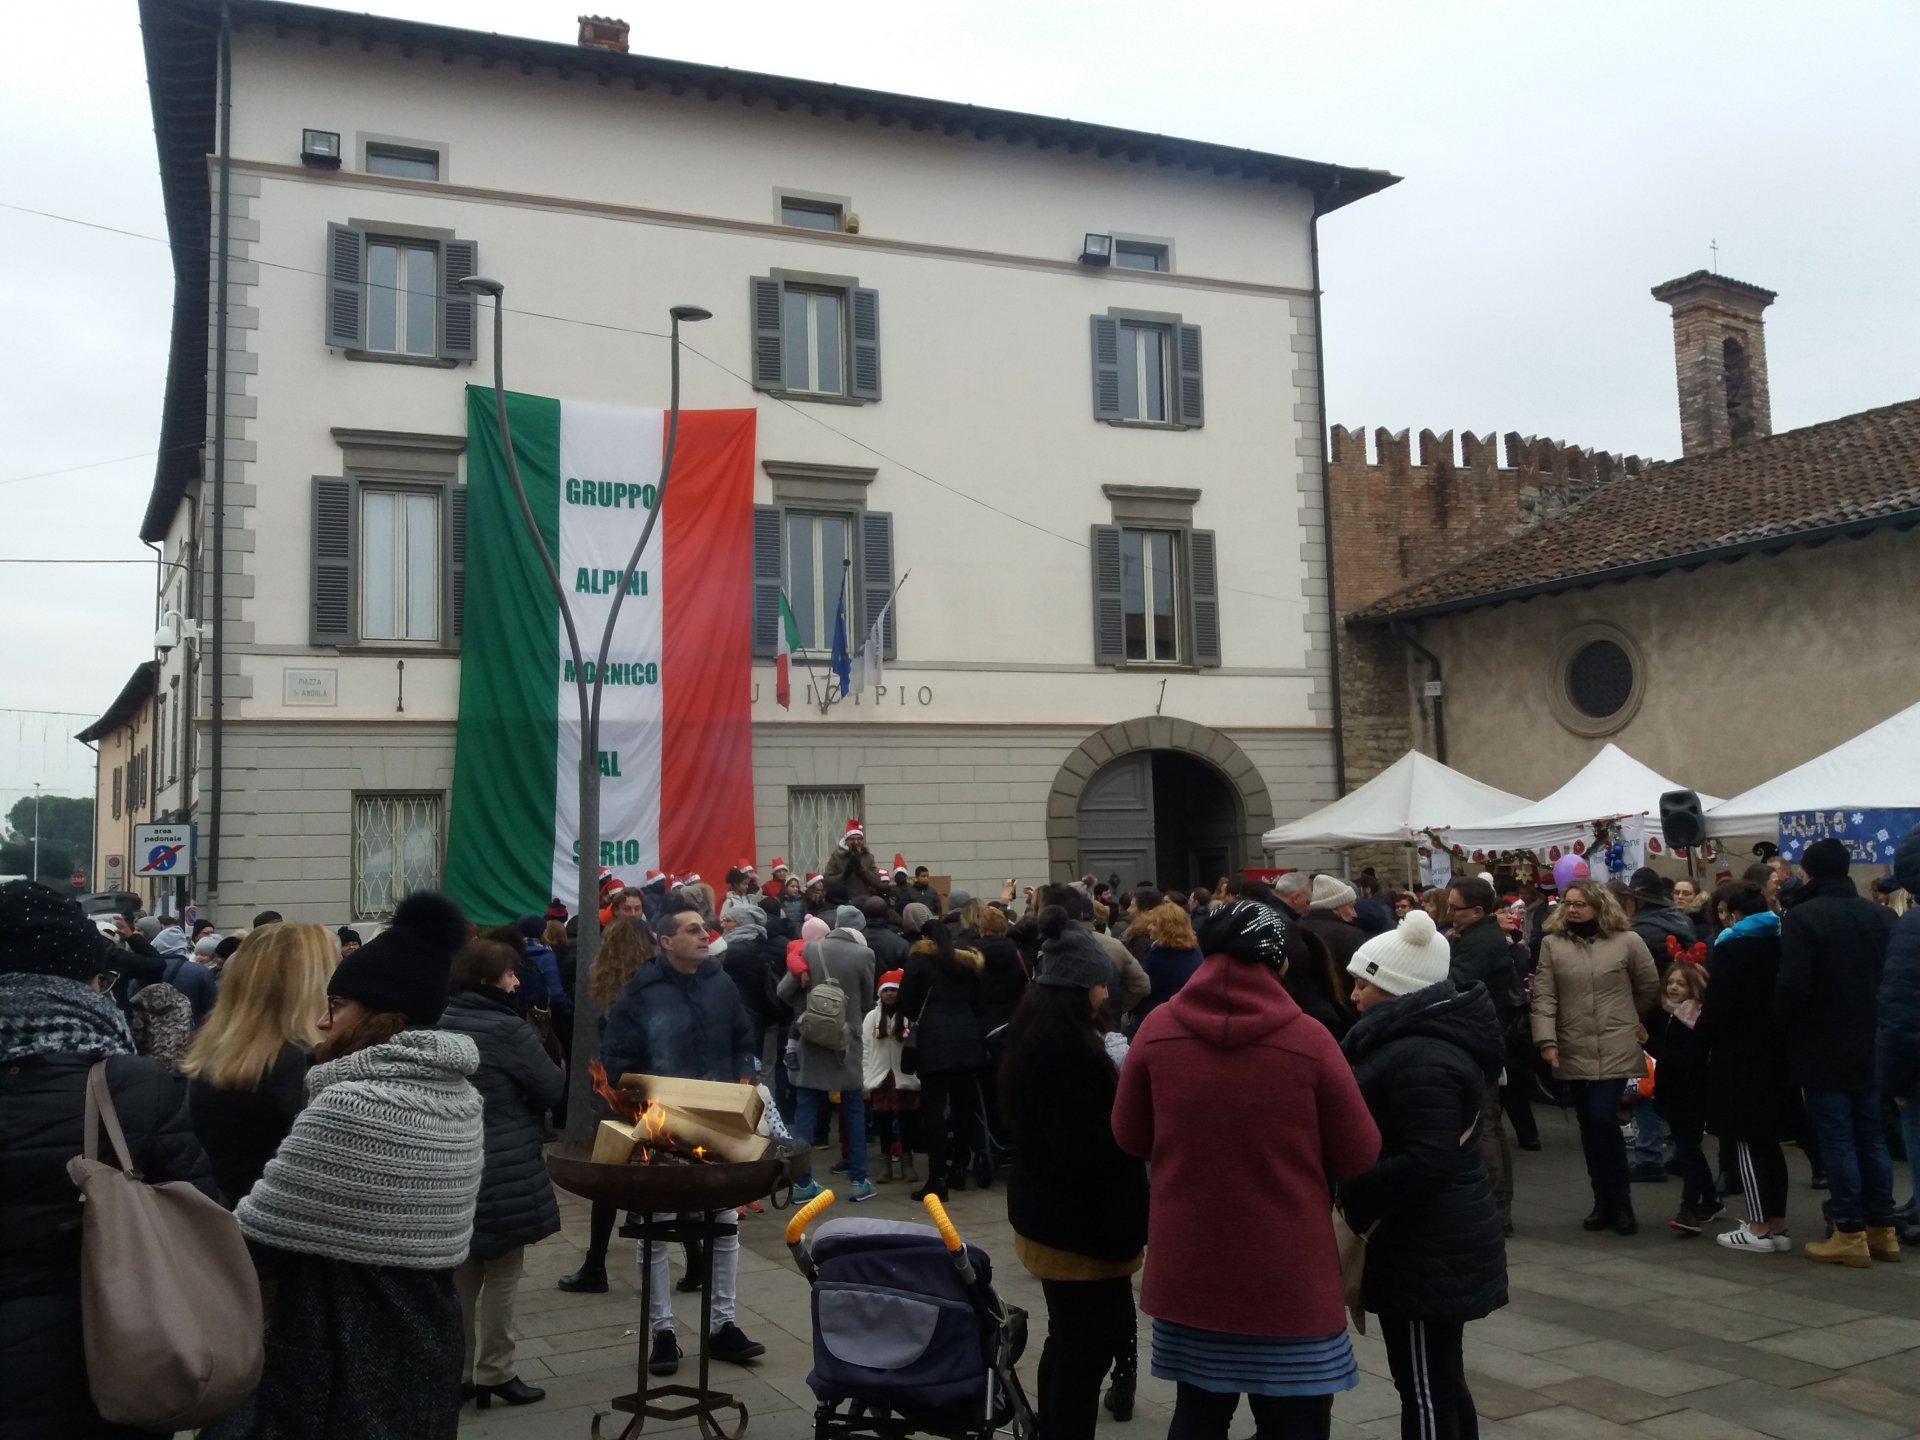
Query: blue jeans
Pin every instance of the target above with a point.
(1649, 1136)
(807, 1105)
(1910, 1134)
(1859, 1170)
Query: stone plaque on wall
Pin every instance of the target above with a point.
(312, 687)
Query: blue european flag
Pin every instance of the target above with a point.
(842, 658)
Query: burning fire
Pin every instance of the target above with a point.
(657, 1141)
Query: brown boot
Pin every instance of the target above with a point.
(1843, 1247)
(1883, 1243)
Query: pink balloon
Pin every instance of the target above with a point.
(1568, 869)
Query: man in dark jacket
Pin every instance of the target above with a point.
(1648, 900)
(681, 1016)
(1897, 1051)
(852, 865)
(1833, 945)
(889, 946)
(1480, 955)
(1331, 906)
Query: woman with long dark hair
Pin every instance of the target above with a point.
(1077, 1202)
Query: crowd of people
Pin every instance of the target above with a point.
(373, 1111)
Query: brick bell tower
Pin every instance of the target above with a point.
(1720, 352)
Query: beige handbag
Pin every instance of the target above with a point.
(169, 1300)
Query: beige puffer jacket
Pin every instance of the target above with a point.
(1588, 998)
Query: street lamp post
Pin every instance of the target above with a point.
(36, 832)
(587, 692)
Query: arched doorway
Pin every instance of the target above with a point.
(1159, 817)
(1156, 799)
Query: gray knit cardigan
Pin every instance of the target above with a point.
(382, 1167)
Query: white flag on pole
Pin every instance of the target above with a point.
(867, 671)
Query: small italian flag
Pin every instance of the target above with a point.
(782, 660)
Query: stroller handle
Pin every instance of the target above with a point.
(948, 1234)
(803, 1217)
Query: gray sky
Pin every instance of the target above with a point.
(1559, 161)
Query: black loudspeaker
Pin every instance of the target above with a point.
(1682, 825)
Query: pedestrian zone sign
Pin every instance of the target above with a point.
(162, 850)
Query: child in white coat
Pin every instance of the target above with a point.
(892, 1094)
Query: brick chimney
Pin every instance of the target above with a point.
(598, 32)
(1720, 351)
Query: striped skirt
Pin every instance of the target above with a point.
(1253, 1364)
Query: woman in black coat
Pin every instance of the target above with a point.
(941, 999)
(54, 1027)
(1423, 1054)
(1077, 1202)
(517, 1082)
(1750, 1096)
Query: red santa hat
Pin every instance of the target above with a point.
(779, 866)
(892, 980)
(745, 867)
(854, 831)
(610, 882)
(814, 877)
(899, 864)
(655, 880)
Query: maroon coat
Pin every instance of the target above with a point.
(1242, 1105)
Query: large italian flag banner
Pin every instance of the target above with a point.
(676, 742)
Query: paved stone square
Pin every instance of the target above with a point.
(1651, 1336)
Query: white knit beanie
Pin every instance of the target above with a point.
(1409, 957)
(1330, 894)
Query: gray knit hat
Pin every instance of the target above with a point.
(913, 917)
(849, 917)
(1070, 956)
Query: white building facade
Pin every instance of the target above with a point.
(1105, 479)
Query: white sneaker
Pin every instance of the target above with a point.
(1743, 1237)
(1782, 1241)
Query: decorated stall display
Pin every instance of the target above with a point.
(1871, 836)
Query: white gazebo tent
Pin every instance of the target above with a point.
(1411, 796)
(1612, 789)
(1878, 769)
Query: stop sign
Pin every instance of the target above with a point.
(78, 879)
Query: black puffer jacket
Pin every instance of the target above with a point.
(1072, 1186)
(1003, 978)
(1750, 1094)
(1681, 1079)
(1655, 923)
(942, 1002)
(1423, 1061)
(1897, 1051)
(1833, 945)
(516, 1082)
(43, 1372)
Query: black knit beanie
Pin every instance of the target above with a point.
(1826, 859)
(44, 933)
(404, 968)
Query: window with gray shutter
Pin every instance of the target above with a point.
(764, 308)
(456, 563)
(1187, 339)
(346, 320)
(1109, 616)
(864, 306)
(1106, 368)
(876, 579)
(1204, 589)
(458, 260)
(332, 617)
(768, 569)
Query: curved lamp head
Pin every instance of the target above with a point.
(690, 313)
(482, 285)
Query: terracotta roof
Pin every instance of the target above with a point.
(1844, 476)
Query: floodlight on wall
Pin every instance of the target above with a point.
(320, 149)
(1096, 249)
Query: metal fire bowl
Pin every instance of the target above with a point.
(664, 1188)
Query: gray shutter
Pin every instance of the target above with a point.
(765, 302)
(458, 309)
(346, 287)
(1203, 589)
(456, 564)
(1186, 339)
(876, 579)
(769, 535)
(1109, 616)
(332, 560)
(864, 307)
(1106, 368)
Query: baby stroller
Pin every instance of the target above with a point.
(909, 1337)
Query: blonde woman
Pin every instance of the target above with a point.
(248, 1065)
(1596, 979)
